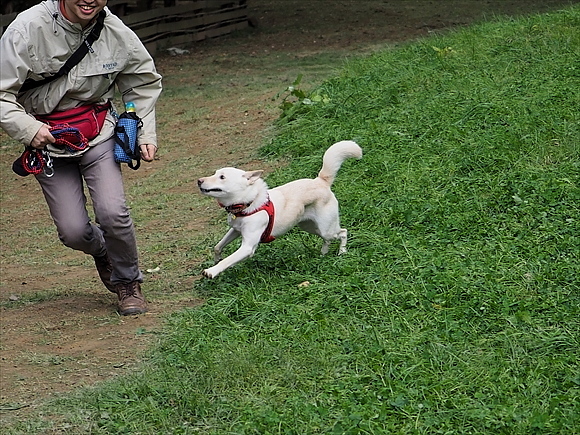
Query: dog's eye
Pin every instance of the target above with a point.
(222, 177)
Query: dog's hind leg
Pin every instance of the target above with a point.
(341, 236)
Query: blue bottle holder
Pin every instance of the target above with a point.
(126, 150)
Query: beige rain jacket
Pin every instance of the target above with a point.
(40, 40)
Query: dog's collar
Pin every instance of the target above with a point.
(238, 211)
(234, 208)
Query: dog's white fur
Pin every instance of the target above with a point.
(308, 203)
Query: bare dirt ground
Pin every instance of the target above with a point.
(76, 339)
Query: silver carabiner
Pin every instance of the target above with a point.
(48, 167)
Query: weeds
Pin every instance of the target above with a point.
(296, 101)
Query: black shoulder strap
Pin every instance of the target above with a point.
(75, 58)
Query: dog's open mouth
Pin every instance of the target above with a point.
(216, 189)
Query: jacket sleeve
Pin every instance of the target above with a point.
(140, 83)
(15, 68)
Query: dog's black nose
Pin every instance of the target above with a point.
(199, 182)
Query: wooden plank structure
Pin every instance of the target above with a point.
(171, 23)
(5, 20)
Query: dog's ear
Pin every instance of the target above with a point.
(253, 176)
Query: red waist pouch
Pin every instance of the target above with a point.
(88, 120)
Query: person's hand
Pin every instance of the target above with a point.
(148, 152)
(42, 138)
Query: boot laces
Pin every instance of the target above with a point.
(128, 290)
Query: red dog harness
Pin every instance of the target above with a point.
(268, 206)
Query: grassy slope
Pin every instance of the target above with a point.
(456, 309)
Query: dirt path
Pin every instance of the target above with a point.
(74, 338)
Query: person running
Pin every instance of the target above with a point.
(33, 49)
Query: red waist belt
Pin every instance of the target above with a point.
(88, 120)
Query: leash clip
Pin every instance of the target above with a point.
(48, 168)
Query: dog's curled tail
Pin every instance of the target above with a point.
(335, 155)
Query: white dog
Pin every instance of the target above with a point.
(260, 214)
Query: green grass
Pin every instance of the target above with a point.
(457, 307)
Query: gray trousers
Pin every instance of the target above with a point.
(113, 233)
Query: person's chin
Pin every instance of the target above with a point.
(86, 14)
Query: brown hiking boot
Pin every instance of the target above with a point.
(131, 300)
(105, 269)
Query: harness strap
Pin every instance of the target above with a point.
(268, 206)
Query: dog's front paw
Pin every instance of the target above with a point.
(210, 273)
